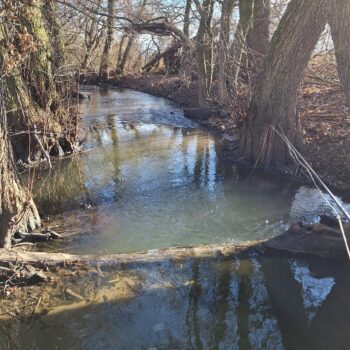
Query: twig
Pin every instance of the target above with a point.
(74, 295)
(306, 165)
(344, 236)
(43, 150)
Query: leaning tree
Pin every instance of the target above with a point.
(274, 101)
(29, 57)
(17, 209)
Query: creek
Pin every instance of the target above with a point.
(150, 179)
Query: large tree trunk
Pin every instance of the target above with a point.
(39, 73)
(31, 93)
(53, 27)
(225, 21)
(274, 100)
(339, 20)
(258, 35)
(17, 209)
(106, 54)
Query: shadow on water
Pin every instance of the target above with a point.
(247, 303)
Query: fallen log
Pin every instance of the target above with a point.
(317, 240)
(8, 256)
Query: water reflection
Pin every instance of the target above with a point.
(248, 303)
(154, 179)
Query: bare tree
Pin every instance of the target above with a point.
(258, 36)
(227, 8)
(274, 100)
(93, 32)
(106, 54)
(17, 209)
(124, 52)
(204, 50)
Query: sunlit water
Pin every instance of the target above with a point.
(152, 178)
(155, 179)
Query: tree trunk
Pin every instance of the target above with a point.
(106, 54)
(17, 209)
(187, 18)
(50, 14)
(39, 73)
(339, 20)
(275, 96)
(124, 57)
(85, 60)
(204, 52)
(93, 32)
(31, 93)
(258, 35)
(225, 21)
(169, 56)
(239, 44)
(120, 52)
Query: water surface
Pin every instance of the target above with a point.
(152, 178)
(247, 303)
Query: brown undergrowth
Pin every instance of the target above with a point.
(325, 120)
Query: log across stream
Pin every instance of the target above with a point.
(224, 296)
(298, 240)
(124, 259)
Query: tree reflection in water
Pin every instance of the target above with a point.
(246, 303)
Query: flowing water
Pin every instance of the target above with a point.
(152, 179)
